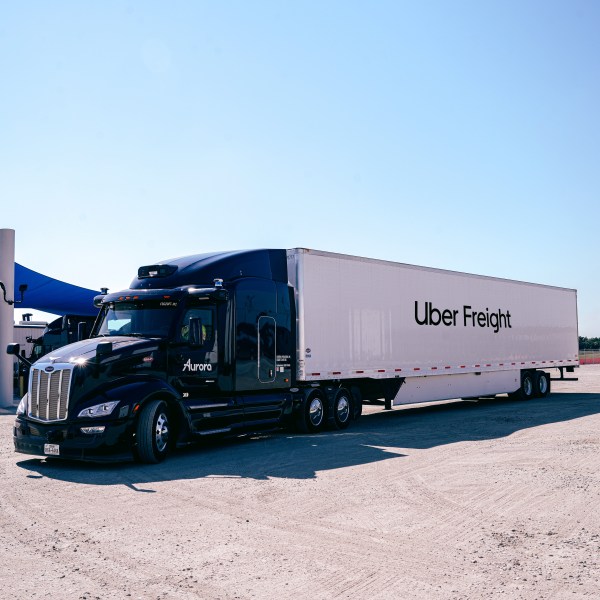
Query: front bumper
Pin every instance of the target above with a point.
(115, 443)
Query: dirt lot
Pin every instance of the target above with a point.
(490, 499)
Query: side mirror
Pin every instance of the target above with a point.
(14, 349)
(195, 337)
(103, 349)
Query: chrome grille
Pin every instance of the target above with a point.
(49, 394)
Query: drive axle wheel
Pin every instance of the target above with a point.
(342, 409)
(311, 413)
(152, 432)
(357, 402)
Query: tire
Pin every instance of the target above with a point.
(356, 403)
(342, 409)
(542, 384)
(527, 389)
(310, 417)
(152, 432)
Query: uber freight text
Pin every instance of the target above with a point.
(427, 314)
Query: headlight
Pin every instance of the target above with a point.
(99, 410)
(22, 408)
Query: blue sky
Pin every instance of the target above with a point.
(462, 135)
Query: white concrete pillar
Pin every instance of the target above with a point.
(7, 315)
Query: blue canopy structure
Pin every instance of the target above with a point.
(53, 296)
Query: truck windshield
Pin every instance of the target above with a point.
(148, 318)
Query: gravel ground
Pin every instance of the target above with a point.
(461, 500)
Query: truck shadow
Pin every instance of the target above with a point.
(375, 437)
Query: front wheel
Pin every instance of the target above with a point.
(152, 432)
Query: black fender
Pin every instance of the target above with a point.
(133, 393)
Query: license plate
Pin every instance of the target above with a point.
(52, 449)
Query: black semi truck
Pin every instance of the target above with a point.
(198, 346)
(225, 343)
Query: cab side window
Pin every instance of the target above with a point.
(206, 316)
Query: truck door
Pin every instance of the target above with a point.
(194, 366)
(258, 380)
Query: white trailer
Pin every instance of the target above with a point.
(441, 334)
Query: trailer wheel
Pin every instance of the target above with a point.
(342, 409)
(542, 384)
(152, 432)
(311, 414)
(527, 389)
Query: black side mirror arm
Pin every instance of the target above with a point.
(22, 289)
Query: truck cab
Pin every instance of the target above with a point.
(195, 347)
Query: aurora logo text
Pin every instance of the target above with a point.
(188, 366)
